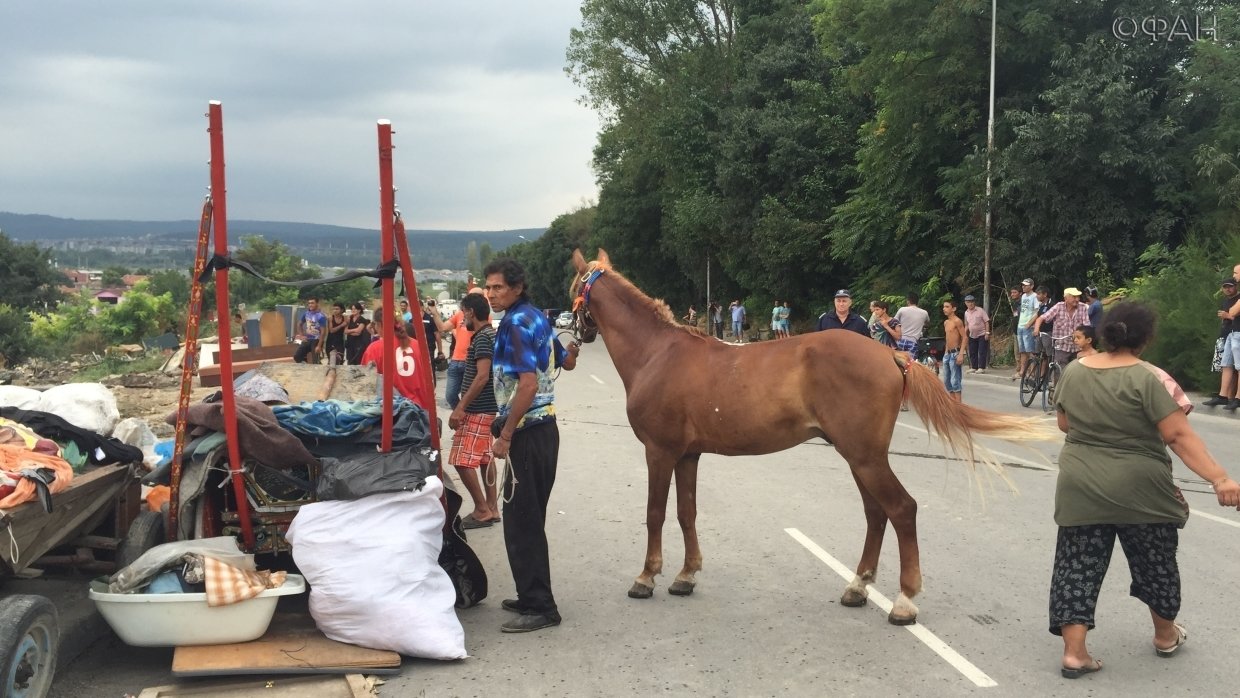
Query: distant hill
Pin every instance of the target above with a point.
(100, 243)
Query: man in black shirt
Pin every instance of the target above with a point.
(843, 318)
(1227, 341)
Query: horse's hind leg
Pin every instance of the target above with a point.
(686, 514)
(856, 592)
(659, 468)
(900, 507)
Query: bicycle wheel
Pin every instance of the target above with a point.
(1030, 381)
(1052, 382)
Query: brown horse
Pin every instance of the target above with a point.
(837, 385)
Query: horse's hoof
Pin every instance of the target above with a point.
(897, 620)
(640, 591)
(679, 588)
(852, 599)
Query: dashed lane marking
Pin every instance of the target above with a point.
(949, 655)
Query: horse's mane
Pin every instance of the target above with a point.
(656, 306)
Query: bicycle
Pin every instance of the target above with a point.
(1041, 375)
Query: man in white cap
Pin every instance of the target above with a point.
(1068, 314)
(1024, 332)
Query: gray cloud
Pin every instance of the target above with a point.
(102, 104)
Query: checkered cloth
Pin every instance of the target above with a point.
(227, 584)
(471, 444)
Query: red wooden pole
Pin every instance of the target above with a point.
(220, 216)
(387, 204)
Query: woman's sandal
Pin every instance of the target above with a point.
(1180, 639)
(1078, 672)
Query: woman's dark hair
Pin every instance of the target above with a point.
(1087, 331)
(880, 303)
(338, 305)
(1129, 325)
(359, 307)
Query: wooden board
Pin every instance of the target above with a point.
(347, 686)
(272, 329)
(292, 645)
(306, 381)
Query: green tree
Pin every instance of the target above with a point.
(113, 277)
(140, 314)
(548, 260)
(173, 282)
(28, 281)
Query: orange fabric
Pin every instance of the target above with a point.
(158, 497)
(17, 458)
(228, 585)
(460, 351)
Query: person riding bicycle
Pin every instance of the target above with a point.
(1068, 314)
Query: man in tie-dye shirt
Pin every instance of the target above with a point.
(523, 365)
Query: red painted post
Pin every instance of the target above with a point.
(387, 204)
(220, 216)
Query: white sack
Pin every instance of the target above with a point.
(137, 433)
(90, 406)
(374, 574)
(19, 397)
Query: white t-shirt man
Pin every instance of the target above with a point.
(913, 322)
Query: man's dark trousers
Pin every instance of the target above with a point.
(532, 456)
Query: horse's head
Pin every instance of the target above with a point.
(587, 273)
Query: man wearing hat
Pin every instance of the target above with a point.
(977, 323)
(1227, 348)
(1024, 329)
(1067, 314)
(843, 318)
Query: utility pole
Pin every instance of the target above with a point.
(990, 148)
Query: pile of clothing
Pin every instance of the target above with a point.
(45, 437)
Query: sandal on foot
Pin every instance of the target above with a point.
(1078, 672)
(469, 522)
(1181, 636)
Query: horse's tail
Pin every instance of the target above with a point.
(957, 423)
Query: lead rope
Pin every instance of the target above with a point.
(14, 549)
(510, 476)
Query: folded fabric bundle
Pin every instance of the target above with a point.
(260, 436)
(15, 459)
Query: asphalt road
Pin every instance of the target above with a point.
(776, 533)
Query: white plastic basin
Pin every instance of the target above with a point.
(170, 620)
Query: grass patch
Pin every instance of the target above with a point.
(112, 366)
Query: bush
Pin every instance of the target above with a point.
(17, 342)
(1183, 288)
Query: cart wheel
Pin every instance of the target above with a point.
(29, 638)
(146, 532)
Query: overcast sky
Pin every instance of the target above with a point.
(103, 103)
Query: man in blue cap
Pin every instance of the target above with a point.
(843, 318)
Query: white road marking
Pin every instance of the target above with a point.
(949, 655)
(1212, 517)
(597, 379)
(1007, 456)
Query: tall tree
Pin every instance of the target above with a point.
(28, 279)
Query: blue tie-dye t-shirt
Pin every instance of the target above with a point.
(524, 343)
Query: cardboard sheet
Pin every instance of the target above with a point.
(292, 645)
(349, 686)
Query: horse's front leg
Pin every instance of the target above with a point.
(856, 593)
(686, 514)
(659, 468)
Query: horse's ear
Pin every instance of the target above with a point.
(579, 262)
(603, 259)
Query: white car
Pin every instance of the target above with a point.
(564, 320)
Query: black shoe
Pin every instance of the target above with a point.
(511, 605)
(527, 623)
(1232, 404)
(1215, 401)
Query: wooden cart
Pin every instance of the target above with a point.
(29, 631)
